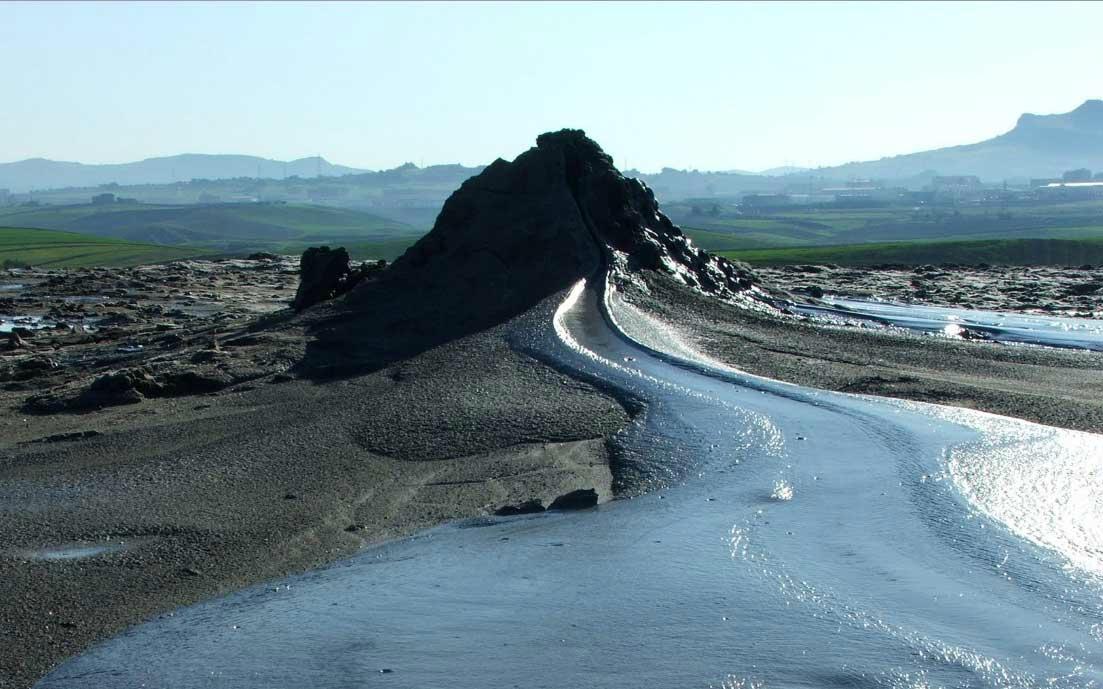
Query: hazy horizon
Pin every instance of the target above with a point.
(372, 86)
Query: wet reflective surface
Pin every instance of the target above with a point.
(80, 551)
(1007, 327)
(9, 323)
(806, 539)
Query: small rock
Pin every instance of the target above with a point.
(1084, 288)
(65, 437)
(15, 341)
(527, 507)
(575, 500)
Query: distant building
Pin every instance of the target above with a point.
(1043, 181)
(1081, 174)
(862, 193)
(940, 181)
(103, 199)
(1071, 191)
(757, 201)
(955, 183)
(813, 199)
(956, 187)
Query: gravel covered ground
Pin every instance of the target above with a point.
(154, 497)
(1074, 292)
(211, 462)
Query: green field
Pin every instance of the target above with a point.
(721, 241)
(228, 228)
(54, 249)
(855, 236)
(1058, 252)
(389, 250)
(844, 226)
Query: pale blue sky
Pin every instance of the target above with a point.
(707, 86)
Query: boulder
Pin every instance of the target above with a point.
(112, 389)
(324, 273)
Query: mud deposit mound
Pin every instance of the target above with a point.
(165, 444)
(508, 238)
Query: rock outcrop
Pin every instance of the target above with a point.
(506, 239)
(324, 273)
(533, 226)
(128, 386)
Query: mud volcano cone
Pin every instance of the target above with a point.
(506, 239)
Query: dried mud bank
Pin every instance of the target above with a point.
(200, 460)
(1076, 292)
(85, 339)
(1050, 386)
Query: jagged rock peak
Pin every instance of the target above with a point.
(625, 219)
(565, 200)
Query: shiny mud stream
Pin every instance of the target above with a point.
(803, 539)
(1004, 327)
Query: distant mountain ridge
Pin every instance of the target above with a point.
(1038, 146)
(783, 170)
(40, 173)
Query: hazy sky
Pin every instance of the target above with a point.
(707, 86)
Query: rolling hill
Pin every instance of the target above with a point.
(40, 173)
(1038, 146)
(233, 228)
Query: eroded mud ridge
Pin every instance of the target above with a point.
(1074, 292)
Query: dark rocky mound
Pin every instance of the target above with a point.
(528, 228)
(506, 239)
(325, 273)
(129, 386)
